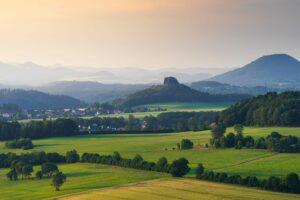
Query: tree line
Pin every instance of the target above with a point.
(164, 122)
(290, 183)
(177, 168)
(274, 142)
(173, 121)
(271, 109)
(37, 129)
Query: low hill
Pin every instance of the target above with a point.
(173, 91)
(90, 92)
(36, 100)
(272, 109)
(213, 87)
(271, 70)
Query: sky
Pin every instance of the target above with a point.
(147, 33)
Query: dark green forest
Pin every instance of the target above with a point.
(271, 109)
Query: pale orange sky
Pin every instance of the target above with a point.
(147, 33)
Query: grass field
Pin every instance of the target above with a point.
(183, 189)
(194, 106)
(86, 177)
(261, 163)
(80, 177)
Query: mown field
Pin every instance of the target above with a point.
(80, 177)
(151, 147)
(183, 189)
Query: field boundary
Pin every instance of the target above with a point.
(248, 161)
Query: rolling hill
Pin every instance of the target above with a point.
(36, 100)
(173, 91)
(89, 91)
(279, 70)
(214, 87)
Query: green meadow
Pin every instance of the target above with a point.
(151, 147)
(80, 177)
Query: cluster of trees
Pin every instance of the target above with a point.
(22, 143)
(273, 142)
(19, 168)
(175, 121)
(177, 168)
(37, 129)
(219, 139)
(289, 183)
(272, 109)
(23, 169)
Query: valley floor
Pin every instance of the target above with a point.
(92, 177)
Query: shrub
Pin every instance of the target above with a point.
(186, 144)
(179, 167)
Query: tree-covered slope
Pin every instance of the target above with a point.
(272, 109)
(173, 91)
(36, 100)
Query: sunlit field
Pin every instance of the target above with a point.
(170, 189)
(80, 177)
(153, 146)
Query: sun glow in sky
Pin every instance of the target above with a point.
(147, 33)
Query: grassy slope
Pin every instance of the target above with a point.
(181, 189)
(248, 162)
(80, 177)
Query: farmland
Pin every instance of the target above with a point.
(181, 189)
(153, 146)
(80, 177)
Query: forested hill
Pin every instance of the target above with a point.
(36, 100)
(272, 109)
(173, 91)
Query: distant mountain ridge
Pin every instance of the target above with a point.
(91, 92)
(31, 74)
(30, 99)
(173, 91)
(279, 70)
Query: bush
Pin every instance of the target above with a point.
(186, 144)
(179, 167)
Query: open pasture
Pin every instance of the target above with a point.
(151, 147)
(80, 177)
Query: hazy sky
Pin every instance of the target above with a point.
(147, 33)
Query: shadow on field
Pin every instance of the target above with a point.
(46, 145)
(79, 174)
